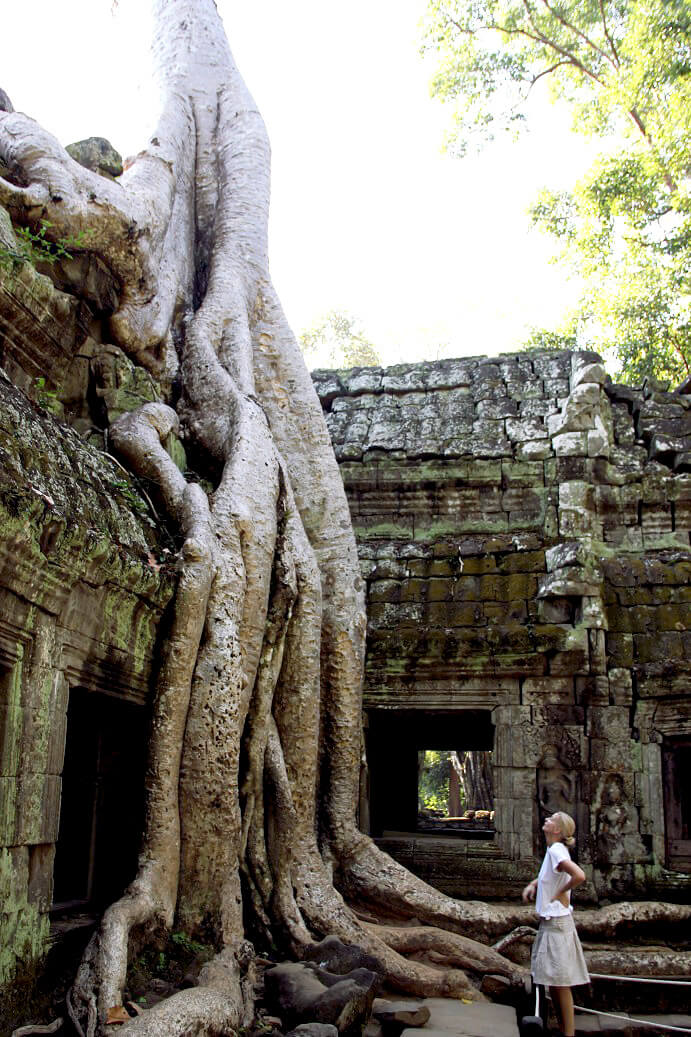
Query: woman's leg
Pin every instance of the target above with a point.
(563, 999)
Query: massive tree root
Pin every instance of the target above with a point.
(252, 782)
(620, 920)
(449, 947)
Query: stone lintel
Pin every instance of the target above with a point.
(443, 695)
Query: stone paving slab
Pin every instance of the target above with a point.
(483, 1019)
(479, 1019)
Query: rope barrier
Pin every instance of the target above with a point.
(643, 979)
(628, 1018)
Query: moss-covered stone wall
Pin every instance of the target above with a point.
(523, 526)
(86, 566)
(81, 596)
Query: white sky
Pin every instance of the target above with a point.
(434, 256)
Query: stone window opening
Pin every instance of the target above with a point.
(425, 767)
(676, 770)
(102, 802)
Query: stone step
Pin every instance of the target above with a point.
(630, 1026)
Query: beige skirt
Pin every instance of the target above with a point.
(557, 959)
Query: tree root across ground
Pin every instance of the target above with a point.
(256, 740)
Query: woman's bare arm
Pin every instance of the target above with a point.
(576, 878)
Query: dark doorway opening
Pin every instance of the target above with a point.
(102, 802)
(676, 772)
(425, 768)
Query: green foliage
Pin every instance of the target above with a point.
(169, 961)
(624, 69)
(128, 492)
(493, 52)
(337, 341)
(540, 340)
(45, 397)
(188, 945)
(433, 780)
(38, 247)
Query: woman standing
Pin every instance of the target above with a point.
(557, 961)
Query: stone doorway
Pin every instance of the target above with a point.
(102, 804)
(397, 743)
(676, 775)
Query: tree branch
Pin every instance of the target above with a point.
(547, 42)
(640, 125)
(545, 72)
(578, 32)
(606, 31)
(678, 349)
(494, 27)
(536, 37)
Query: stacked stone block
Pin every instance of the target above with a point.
(523, 526)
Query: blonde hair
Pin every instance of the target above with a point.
(567, 826)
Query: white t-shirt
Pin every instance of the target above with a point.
(550, 882)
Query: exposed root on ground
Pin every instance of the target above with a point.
(638, 961)
(519, 935)
(223, 1002)
(36, 1028)
(420, 979)
(628, 917)
(368, 876)
(454, 949)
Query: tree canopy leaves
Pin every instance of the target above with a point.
(624, 69)
(337, 340)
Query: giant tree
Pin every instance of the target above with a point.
(256, 741)
(622, 68)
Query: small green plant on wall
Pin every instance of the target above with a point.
(37, 247)
(130, 495)
(45, 397)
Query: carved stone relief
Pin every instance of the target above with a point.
(556, 781)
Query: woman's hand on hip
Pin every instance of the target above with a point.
(529, 892)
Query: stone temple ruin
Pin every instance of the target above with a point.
(523, 527)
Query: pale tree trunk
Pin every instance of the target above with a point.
(475, 775)
(267, 642)
(454, 787)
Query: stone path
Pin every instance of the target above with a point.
(479, 1019)
(483, 1019)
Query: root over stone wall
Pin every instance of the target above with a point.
(523, 528)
